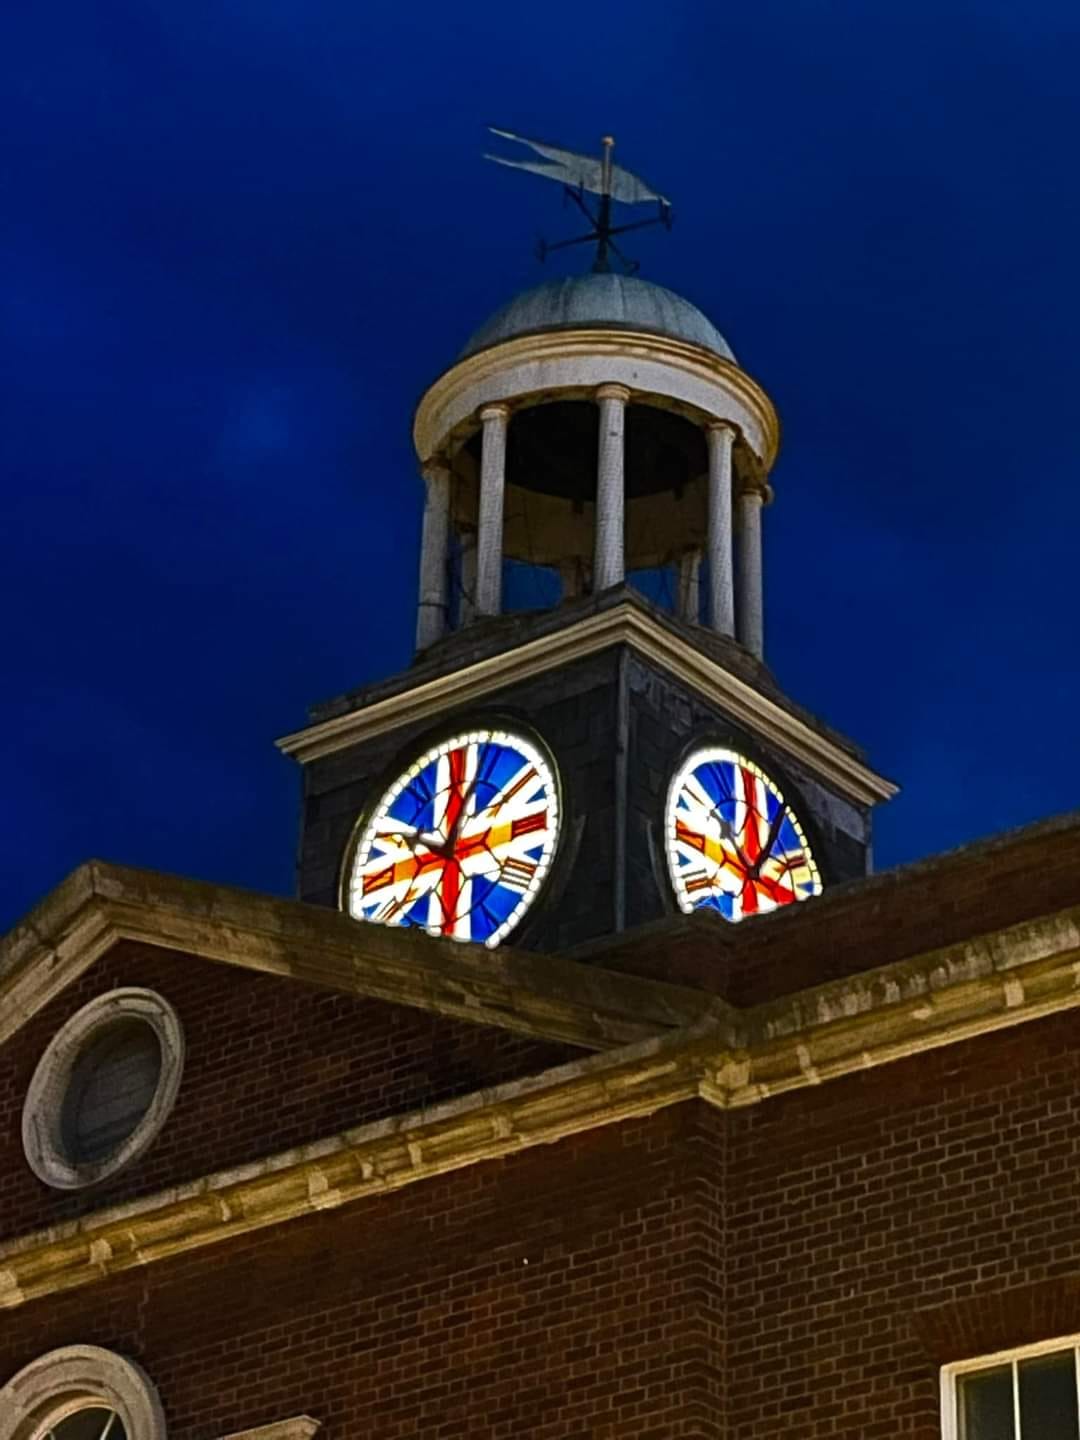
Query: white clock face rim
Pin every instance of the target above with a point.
(719, 884)
(521, 861)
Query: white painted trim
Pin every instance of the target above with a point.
(76, 1378)
(42, 1108)
(950, 1428)
(622, 624)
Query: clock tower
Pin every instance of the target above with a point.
(588, 738)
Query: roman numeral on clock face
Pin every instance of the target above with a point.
(697, 878)
(517, 874)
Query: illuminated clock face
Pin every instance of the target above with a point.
(460, 843)
(733, 844)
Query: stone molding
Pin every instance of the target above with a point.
(543, 996)
(623, 624)
(532, 369)
(66, 1380)
(43, 1107)
(299, 1427)
(727, 1059)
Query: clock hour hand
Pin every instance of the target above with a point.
(770, 841)
(444, 844)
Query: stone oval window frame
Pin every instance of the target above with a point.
(53, 1385)
(43, 1108)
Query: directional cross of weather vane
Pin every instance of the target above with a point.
(580, 173)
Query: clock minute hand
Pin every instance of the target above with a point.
(770, 841)
(445, 846)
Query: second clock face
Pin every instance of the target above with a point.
(733, 844)
(461, 841)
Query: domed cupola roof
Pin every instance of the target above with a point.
(599, 301)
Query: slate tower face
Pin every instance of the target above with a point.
(619, 751)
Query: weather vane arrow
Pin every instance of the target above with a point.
(581, 174)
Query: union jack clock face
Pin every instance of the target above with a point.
(460, 843)
(733, 844)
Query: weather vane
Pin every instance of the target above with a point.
(579, 174)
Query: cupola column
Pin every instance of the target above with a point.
(489, 536)
(690, 586)
(467, 607)
(432, 611)
(751, 611)
(609, 564)
(721, 440)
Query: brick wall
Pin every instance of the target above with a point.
(553, 1296)
(1026, 875)
(985, 887)
(863, 1221)
(270, 1064)
(799, 1268)
(883, 1225)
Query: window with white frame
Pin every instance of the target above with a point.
(1027, 1394)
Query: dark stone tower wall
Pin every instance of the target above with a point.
(572, 710)
(668, 719)
(617, 727)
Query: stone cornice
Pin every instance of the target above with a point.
(726, 1059)
(545, 997)
(535, 358)
(623, 624)
(374, 1160)
(297, 1427)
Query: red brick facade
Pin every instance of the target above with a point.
(865, 925)
(270, 1064)
(800, 1267)
(553, 1295)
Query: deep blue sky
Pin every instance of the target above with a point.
(238, 238)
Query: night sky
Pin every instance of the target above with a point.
(239, 238)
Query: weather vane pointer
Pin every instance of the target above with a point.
(586, 174)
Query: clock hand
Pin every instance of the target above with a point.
(462, 815)
(446, 846)
(442, 844)
(459, 819)
(770, 841)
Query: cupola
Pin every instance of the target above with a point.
(597, 428)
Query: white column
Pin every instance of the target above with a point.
(609, 564)
(751, 611)
(489, 538)
(431, 614)
(467, 607)
(718, 530)
(690, 586)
